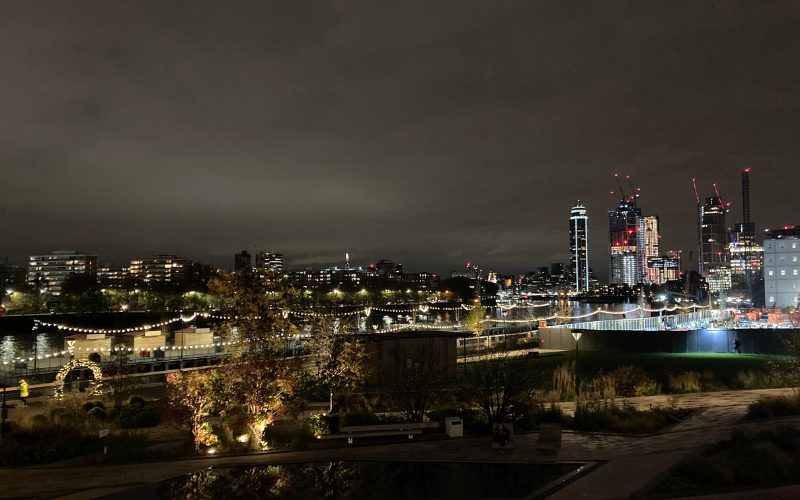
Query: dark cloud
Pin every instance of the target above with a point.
(431, 133)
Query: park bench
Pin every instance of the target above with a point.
(549, 437)
(351, 432)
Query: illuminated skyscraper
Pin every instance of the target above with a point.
(714, 245)
(627, 245)
(651, 237)
(578, 247)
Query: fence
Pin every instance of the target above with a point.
(689, 321)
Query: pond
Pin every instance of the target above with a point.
(359, 480)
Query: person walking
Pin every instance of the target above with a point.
(23, 392)
(737, 346)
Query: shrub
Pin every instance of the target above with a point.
(626, 419)
(601, 388)
(765, 457)
(361, 418)
(564, 381)
(551, 414)
(97, 413)
(630, 381)
(474, 421)
(126, 446)
(290, 435)
(134, 416)
(647, 388)
(318, 424)
(44, 444)
(773, 406)
(750, 379)
(40, 422)
(136, 401)
(684, 382)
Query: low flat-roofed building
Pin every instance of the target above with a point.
(194, 337)
(145, 343)
(81, 345)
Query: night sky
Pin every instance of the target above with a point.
(429, 133)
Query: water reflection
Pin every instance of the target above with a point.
(355, 480)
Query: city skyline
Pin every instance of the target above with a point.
(314, 130)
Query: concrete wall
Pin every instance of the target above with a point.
(753, 341)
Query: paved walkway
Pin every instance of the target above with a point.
(632, 464)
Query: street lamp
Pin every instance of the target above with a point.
(577, 337)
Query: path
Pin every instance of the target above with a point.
(634, 464)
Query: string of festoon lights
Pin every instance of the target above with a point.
(305, 313)
(118, 349)
(599, 311)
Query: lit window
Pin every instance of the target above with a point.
(772, 299)
(769, 273)
(794, 272)
(783, 272)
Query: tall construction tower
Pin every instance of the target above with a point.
(746, 254)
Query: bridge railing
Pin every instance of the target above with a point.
(654, 323)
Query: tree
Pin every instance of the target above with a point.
(474, 320)
(260, 381)
(498, 383)
(340, 359)
(81, 293)
(419, 373)
(192, 397)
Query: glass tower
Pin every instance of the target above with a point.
(578, 247)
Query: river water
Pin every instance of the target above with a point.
(24, 343)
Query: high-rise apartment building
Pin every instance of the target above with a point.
(165, 268)
(269, 262)
(48, 272)
(579, 247)
(626, 243)
(782, 267)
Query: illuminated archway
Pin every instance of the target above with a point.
(96, 384)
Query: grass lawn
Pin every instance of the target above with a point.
(722, 367)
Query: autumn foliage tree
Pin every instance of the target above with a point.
(340, 359)
(260, 380)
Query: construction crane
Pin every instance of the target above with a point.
(694, 187)
(725, 206)
(621, 191)
(634, 191)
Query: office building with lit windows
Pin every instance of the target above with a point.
(782, 267)
(269, 262)
(664, 268)
(714, 245)
(578, 247)
(47, 273)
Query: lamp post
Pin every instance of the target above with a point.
(577, 337)
(35, 344)
(465, 354)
